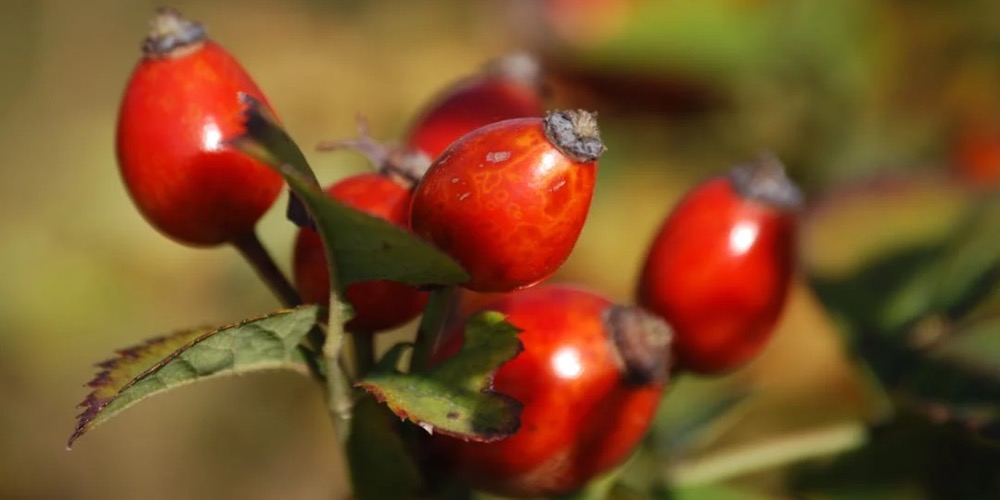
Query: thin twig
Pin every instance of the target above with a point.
(429, 332)
(263, 264)
(364, 352)
(340, 400)
(253, 251)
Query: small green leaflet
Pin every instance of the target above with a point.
(164, 363)
(360, 247)
(963, 271)
(456, 397)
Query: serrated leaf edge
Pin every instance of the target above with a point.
(93, 405)
(516, 406)
(487, 389)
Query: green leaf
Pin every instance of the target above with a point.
(898, 227)
(456, 397)
(164, 363)
(380, 465)
(936, 382)
(697, 411)
(725, 41)
(976, 346)
(959, 379)
(861, 298)
(905, 458)
(360, 247)
(911, 314)
(964, 271)
(714, 492)
(947, 276)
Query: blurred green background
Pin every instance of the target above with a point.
(846, 90)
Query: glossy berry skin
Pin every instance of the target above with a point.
(378, 305)
(508, 89)
(581, 414)
(178, 109)
(507, 202)
(721, 265)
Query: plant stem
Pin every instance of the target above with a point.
(767, 454)
(364, 353)
(253, 251)
(428, 334)
(340, 399)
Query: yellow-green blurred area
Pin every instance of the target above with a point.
(840, 90)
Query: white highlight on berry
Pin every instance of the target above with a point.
(742, 237)
(567, 363)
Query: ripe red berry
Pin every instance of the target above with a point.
(378, 305)
(720, 267)
(508, 201)
(590, 378)
(180, 106)
(509, 87)
(976, 153)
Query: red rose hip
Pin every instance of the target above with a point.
(508, 87)
(180, 106)
(378, 305)
(590, 378)
(720, 267)
(976, 153)
(508, 201)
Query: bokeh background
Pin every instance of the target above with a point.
(895, 99)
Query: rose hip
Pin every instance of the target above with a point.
(180, 106)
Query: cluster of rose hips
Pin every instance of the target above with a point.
(503, 186)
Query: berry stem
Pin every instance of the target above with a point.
(340, 402)
(431, 325)
(253, 251)
(260, 260)
(364, 353)
(402, 164)
(376, 152)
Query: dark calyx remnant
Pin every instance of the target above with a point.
(764, 180)
(575, 133)
(643, 341)
(170, 32)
